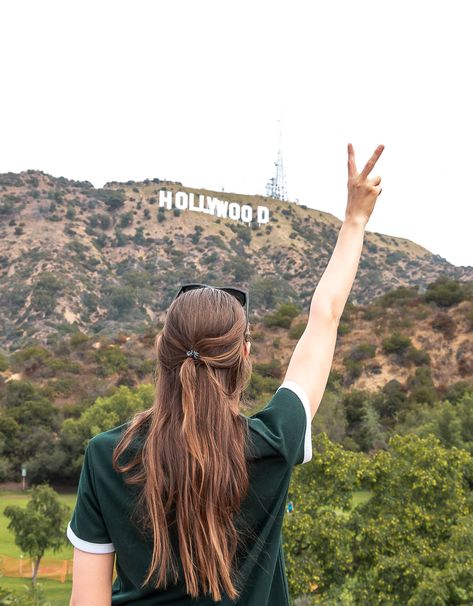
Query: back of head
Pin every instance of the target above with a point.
(193, 464)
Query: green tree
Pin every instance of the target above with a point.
(407, 533)
(317, 540)
(104, 414)
(40, 526)
(372, 434)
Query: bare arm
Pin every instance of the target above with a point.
(92, 576)
(312, 358)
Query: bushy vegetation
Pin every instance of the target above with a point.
(113, 198)
(409, 542)
(446, 292)
(396, 343)
(296, 330)
(283, 315)
(46, 290)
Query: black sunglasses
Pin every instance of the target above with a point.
(239, 294)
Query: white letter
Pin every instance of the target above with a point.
(263, 214)
(212, 204)
(222, 208)
(165, 197)
(191, 203)
(202, 204)
(246, 213)
(180, 201)
(218, 205)
(234, 211)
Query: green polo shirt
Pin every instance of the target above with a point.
(280, 437)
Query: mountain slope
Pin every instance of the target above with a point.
(111, 259)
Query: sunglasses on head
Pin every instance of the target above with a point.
(238, 293)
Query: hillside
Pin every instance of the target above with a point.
(394, 338)
(110, 259)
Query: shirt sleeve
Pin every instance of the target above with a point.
(285, 423)
(86, 529)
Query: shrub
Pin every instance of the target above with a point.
(123, 300)
(398, 297)
(283, 316)
(45, 292)
(446, 292)
(421, 386)
(110, 360)
(296, 331)
(121, 239)
(126, 219)
(63, 365)
(457, 390)
(78, 338)
(260, 385)
(269, 369)
(362, 351)
(269, 291)
(257, 336)
(444, 324)
(396, 343)
(343, 328)
(113, 198)
(31, 357)
(419, 357)
(4, 364)
(102, 220)
(211, 258)
(353, 367)
(63, 386)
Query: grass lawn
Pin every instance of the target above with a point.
(7, 541)
(57, 593)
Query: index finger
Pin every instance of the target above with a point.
(372, 161)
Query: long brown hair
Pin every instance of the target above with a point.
(192, 463)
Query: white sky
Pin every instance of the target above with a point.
(193, 90)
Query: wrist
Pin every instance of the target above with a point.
(358, 222)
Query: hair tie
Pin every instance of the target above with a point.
(191, 353)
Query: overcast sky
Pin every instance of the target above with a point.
(193, 91)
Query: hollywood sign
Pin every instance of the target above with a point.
(212, 206)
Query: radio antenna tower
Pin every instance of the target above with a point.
(276, 186)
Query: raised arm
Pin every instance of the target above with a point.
(312, 358)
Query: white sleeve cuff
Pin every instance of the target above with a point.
(299, 391)
(86, 545)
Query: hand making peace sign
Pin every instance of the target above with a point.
(362, 192)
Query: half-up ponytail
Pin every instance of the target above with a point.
(192, 465)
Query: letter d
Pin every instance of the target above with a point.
(262, 214)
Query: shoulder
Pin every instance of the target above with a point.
(284, 424)
(107, 440)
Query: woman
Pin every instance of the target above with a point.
(189, 496)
